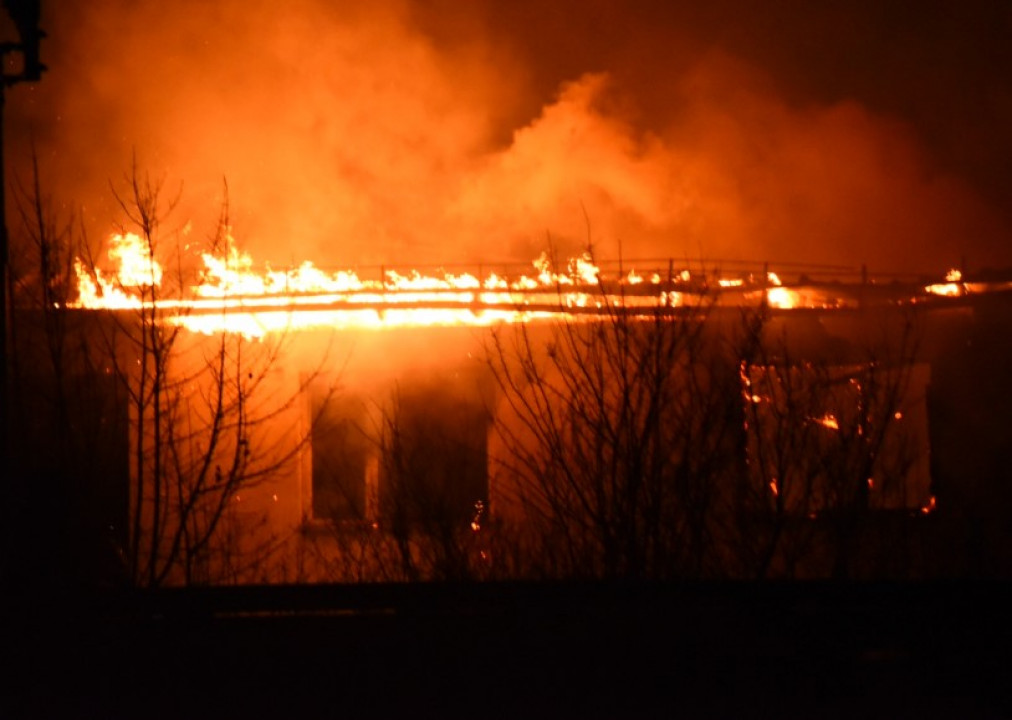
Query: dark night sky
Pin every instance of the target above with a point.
(841, 132)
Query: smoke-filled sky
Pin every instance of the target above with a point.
(437, 131)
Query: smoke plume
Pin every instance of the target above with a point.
(399, 133)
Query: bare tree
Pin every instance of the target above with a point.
(619, 435)
(201, 411)
(825, 448)
(67, 433)
(687, 441)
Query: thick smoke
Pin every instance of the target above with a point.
(379, 133)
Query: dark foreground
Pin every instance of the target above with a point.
(517, 651)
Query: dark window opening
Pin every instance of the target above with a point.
(340, 451)
(434, 466)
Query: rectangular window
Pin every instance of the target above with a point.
(435, 462)
(341, 457)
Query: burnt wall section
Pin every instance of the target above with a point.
(971, 434)
(936, 506)
(967, 349)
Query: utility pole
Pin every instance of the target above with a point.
(25, 15)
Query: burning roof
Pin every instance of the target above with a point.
(231, 294)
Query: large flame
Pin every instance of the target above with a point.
(231, 295)
(778, 296)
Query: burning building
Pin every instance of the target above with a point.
(667, 131)
(593, 420)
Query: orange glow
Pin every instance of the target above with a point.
(945, 289)
(634, 278)
(136, 269)
(828, 421)
(952, 287)
(232, 295)
(779, 296)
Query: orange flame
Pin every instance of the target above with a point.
(137, 269)
(778, 296)
(828, 421)
(232, 296)
(952, 287)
